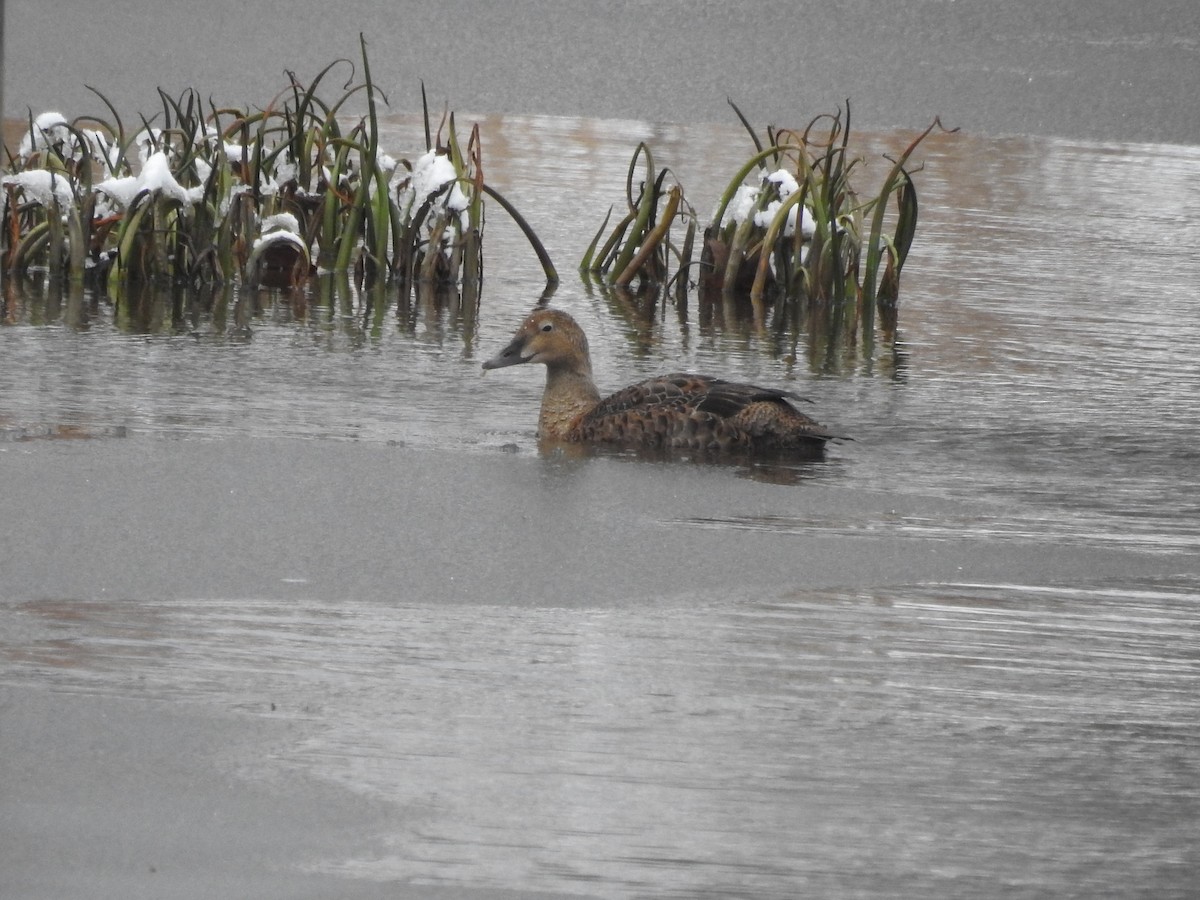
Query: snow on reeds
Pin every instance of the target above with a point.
(208, 195)
(789, 226)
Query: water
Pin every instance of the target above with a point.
(1026, 727)
(956, 740)
(1045, 351)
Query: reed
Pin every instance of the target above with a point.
(801, 230)
(639, 246)
(789, 226)
(266, 197)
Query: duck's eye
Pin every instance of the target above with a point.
(547, 327)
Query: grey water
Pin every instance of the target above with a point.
(959, 658)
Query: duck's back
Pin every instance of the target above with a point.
(696, 412)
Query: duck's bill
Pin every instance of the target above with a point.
(509, 356)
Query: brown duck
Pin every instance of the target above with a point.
(684, 412)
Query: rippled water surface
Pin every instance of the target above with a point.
(956, 741)
(1018, 736)
(1046, 348)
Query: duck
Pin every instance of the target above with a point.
(675, 412)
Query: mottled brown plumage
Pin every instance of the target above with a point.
(679, 411)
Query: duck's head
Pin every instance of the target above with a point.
(550, 337)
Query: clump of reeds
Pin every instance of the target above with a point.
(438, 212)
(801, 227)
(639, 247)
(790, 225)
(266, 197)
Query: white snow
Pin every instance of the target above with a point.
(742, 204)
(282, 228)
(286, 171)
(745, 203)
(49, 128)
(121, 190)
(203, 169)
(279, 237)
(44, 187)
(101, 147)
(148, 142)
(234, 192)
(156, 178)
(281, 222)
(430, 173)
(785, 180)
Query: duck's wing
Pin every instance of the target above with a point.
(652, 412)
(699, 412)
(676, 392)
(728, 398)
(766, 415)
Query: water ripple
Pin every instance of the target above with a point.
(842, 741)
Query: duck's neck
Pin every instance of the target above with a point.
(570, 393)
